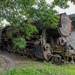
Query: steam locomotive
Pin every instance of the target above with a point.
(56, 44)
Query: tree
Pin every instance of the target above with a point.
(16, 11)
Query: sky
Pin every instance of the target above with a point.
(70, 10)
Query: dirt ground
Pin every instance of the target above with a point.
(14, 60)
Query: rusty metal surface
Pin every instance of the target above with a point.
(65, 28)
(62, 40)
(47, 51)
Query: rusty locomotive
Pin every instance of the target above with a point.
(54, 44)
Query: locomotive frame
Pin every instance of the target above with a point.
(50, 43)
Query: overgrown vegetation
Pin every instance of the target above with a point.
(44, 68)
(19, 42)
(16, 11)
(25, 31)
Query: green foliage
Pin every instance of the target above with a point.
(61, 3)
(16, 11)
(45, 68)
(29, 30)
(19, 42)
(45, 14)
(25, 31)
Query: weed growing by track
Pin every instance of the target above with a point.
(43, 68)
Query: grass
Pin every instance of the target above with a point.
(42, 68)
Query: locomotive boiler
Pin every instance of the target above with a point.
(50, 43)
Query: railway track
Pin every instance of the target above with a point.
(5, 63)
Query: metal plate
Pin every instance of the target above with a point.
(65, 28)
